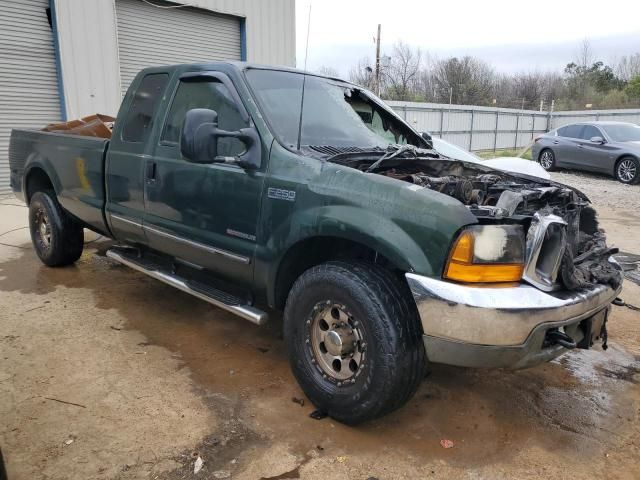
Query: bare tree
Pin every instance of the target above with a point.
(628, 67)
(414, 75)
(503, 91)
(529, 87)
(402, 73)
(328, 71)
(362, 73)
(553, 87)
(465, 80)
(584, 54)
(425, 88)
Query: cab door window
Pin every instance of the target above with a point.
(209, 94)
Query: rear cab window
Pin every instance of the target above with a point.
(139, 119)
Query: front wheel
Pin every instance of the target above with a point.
(628, 170)
(547, 160)
(354, 340)
(57, 239)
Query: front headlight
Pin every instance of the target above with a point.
(487, 253)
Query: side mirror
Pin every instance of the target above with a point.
(598, 140)
(426, 136)
(199, 140)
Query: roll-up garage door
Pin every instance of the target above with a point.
(150, 35)
(28, 82)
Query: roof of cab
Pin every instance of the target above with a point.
(239, 66)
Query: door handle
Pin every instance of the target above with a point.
(556, 142)
(580, 145)
(151, 172)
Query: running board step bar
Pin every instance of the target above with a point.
(204, 292)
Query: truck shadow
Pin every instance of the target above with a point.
(572, 406)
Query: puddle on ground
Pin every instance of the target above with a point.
(571, 405)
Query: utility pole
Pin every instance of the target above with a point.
(378, 61)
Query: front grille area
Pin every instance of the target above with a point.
(546, 243)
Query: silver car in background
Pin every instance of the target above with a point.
(612, 148)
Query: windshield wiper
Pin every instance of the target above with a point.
(394, 151)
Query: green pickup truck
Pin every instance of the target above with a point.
(262, 189)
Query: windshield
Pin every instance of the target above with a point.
(452, 151)
(333, 113)
(623, 132)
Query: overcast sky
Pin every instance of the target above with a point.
(511, 35)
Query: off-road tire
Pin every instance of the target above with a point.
(632, 162)
(547, 160)
(66, 236)
(394, 362)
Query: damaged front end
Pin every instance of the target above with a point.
(565, 248)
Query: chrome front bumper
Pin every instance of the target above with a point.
(498, 327)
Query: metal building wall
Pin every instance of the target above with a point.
(88, 56)
(28, 78)
(197, 35)
(89, 46)
(270, 24)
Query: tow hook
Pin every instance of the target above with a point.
(556, 337)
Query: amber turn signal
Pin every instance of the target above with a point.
(462, 267)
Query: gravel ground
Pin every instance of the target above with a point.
(603, 191)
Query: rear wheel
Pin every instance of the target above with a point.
(547, 160)
(354, 340)
(628, 170)
(57, 239)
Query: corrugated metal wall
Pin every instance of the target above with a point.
(196, 35)
(28, 83)
(486, 128)
(271, 27)
(89, 56)
(89, 47)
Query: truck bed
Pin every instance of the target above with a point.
(75, 164)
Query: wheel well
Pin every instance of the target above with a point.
(544, 150)
(314, 251)
(619, 159)
(37, 181)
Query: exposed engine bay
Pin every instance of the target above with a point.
(564, 245)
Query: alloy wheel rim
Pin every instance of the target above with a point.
(627, 170)
(546, 160)
(336, 343)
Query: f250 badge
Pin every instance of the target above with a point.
(280, 194)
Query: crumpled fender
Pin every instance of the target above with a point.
(413, 227)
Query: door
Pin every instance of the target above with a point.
(565, 145)
(597, 157)
(126, 155)
(205, 214)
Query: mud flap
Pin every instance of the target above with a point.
(595, 328)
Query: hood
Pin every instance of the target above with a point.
(518, 165)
